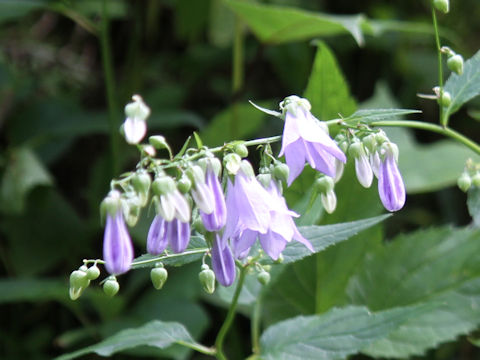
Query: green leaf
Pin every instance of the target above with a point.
(12, 9)
(156, 333)
(279, 24)
(465, 87)
(198, 140)
(372, 115)
(322, 237)
(473, 202)
(327, 89)
(333, 335)
(24, 172)
(235, 123)
(438, 268)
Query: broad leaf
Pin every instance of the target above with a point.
(279, 24)
(465, 87)
(437, 268)
(331, 336)
(156, 333)
(327, 89)
(372, 115)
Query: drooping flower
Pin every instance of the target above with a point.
(201, 193)
(170, 203)
(390, 183)
(117, 245)
(217, 218)
(304, 140)
(135, 125)
(161, 232)
(222, 262)
(362, 164)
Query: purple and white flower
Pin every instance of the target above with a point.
(162, 232)
(222, 262)
(117, 245)
(135, 125)
(390, 183)
(304, 140)
(217, 219)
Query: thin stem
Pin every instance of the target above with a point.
(230, 315)
(446, 131)
(110, 89)
(443, 119)
(237, 73)
(198, 347)
(256, 325)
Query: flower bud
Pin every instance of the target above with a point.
(159, 276)
(281, 171)
(356, 150)
(241, 150)
(264, 179)
(247, 168)
(280, 259)
(476, 180)
(329, 201)
(263, 277)
(445, 100)
(464, 182)
(232, 163)
(324, 184)
(158, 142)
(79, 279)
(111, 286)
(137, 108)
(163, 185)
(196, 175)
(93, 272)
(370, 142)
(207, 279)
(141, 182)
(111, 204)
(455, 64)
(199, 226)
(380, 137)
(131, 207)
(184, 184)
(442, 5)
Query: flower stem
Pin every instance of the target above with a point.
(230, 315)
(446, 131)
(256, 325)
(197, 347)
(237, 73)
(110, 89)
(443, 118)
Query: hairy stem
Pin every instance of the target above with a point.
(230, 316)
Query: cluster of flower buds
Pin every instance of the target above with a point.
(80, 279)
(470, 176)
(224, 199)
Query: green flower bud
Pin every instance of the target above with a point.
(232, 163)
(111, 286)
(370, 142)
(111, 204)
(196, 174)
(356, 150)
(442, 5)
(476, 180)
(141, 182)
(380, 137)
(207, 279)
(158, 142)
(159, 276)
(264, 179)
(464, 182)
(263, 277)
(93, 272)
(137, 108)
(324, 184)
(281, 171)
(247, 168)
(184, 184)
(241, 150)
(163, 185)
(455, 64)
(199, 226)
(280, 259)
(79, 279)
(445, 100)
(131, 207)
(75, 293)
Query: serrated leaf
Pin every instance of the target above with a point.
(465, 87)
(327, 89)
(372, 115)
(473, 202)
(156, 333)
(333, 335)
(279, 24)
(438, 267)
(24, 172)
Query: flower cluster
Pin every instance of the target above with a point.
(233, 205)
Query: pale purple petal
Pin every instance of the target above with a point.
(295, 159)
(364, 171)
(217, 219)
(117, 246)
(241, 244)
(272, 243)
(390, 184)
(290, 132)
(223, 263)
(157, 240)
(178, 234)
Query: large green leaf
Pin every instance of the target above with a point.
(333, 335)
(279, 24)
(327, 89)
(156, 333)
(465, 87)
(438, 268)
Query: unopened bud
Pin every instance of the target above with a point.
(111, 286)
(464, 182)
(141, 182)
(264, 179)
(329, 201)
(207, 279)
(476, 180)
(232, 163)
(324, 184)
(196, 174)
(198, 226)
(442, 5)
(281, 171)
(263, 277)
(280, 259)
(137, 108)
(184, 184)
(241, 150)
(93, 272)
(159, 276)
(163, 185)
(445, 99)
(455, 64)
(356, 150)
(79, 279)
(158, 142)
(111, 204)
(370, 143)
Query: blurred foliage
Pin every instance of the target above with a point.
(55, 158)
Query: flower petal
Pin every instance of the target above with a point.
(223, 263)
